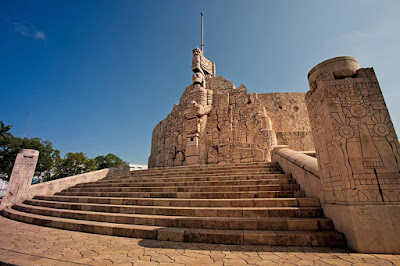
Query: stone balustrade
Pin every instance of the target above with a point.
(302, 167)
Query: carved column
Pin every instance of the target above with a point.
(21, 177)
(358, 154)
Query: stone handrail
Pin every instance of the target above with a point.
(303, 168)
(54, 186)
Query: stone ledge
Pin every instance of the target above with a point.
(302, 167)
(54, 186)
(308, 163)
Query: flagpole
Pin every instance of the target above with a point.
(202, 44)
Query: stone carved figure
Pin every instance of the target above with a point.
(201, 64)
(196, 112)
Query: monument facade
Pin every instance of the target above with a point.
(217, 123)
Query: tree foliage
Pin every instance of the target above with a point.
(4, 131)
(9, 148)
(50, 165)
(73, 164)
(108, 161)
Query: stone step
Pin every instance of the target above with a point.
(255, 212)
(128, 175)
(201, 167)
(198, 178)
(238, 237)
(193, 183)
(225, 223)
(206, 171)
(231, 188)
(257, 202)
(190, 195)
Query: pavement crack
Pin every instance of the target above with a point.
(258, 254)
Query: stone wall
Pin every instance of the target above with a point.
(289, 116)
(51, 187)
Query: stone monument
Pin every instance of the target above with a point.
(358, 154)
(213, 123)
(217, 123)
(21, 177)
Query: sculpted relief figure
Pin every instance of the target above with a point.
(201, 98)
(198, 107)
(196, 61)
(201, 64)
(213, 123)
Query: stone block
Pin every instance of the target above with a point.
(368, 228)
(21, 178)
(171, 234)
(266, 238)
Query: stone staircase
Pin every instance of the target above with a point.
(251, 204)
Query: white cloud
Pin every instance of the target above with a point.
(29, 31)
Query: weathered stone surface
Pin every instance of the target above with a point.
(357, 146)
(215, 122)
(27, 244)
(54, 186)
(252, 203)
(289, 116)
(358, 154)
(21, 177)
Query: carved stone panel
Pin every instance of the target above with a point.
(21, 177)
(357, 147)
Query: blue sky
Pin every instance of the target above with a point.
(97, 76)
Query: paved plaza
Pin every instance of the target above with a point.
(26, 244)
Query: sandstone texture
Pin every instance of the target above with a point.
(27, 244)
(358, 154)
(356, 144)
(239, 204)
(21, 177)
(215, 122)
(289, 116)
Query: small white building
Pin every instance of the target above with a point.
(134, 167)
(3, 187)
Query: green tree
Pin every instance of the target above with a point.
(108, 161)
(4, 131)
(50, 164)
(48, 156)
(7, 155)
(73, 164)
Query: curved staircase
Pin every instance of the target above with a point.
(252, 203)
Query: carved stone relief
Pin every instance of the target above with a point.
(357, 147)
